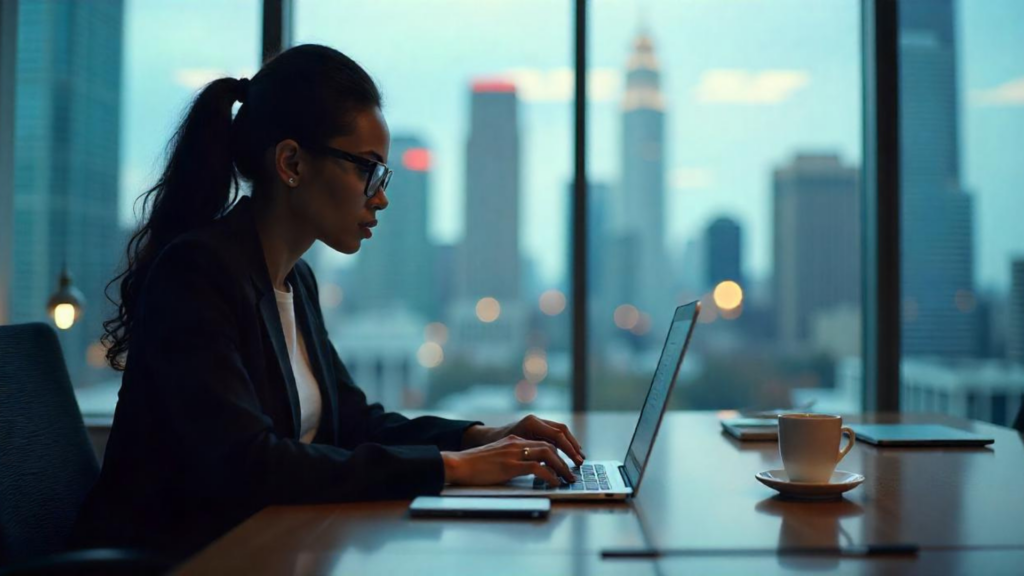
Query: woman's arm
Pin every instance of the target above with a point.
(214, 427)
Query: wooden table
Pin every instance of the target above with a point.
(964, 507)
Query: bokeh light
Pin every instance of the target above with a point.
(728, 295)
(626, 316)
(96, 355)
(535, 366)
(552, 302)
(331, 296)
(965, 301)
(488, 309)
(430, 355)
(64, 316)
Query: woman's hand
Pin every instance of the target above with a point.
(530, 428)
(500, 461)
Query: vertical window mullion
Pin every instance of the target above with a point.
(881, 206)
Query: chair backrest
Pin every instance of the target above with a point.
(47, 464)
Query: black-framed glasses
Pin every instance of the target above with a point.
(378, 175)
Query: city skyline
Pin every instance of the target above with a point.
(678, 140)
(421, 98)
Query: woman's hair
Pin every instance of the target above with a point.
(308, 93)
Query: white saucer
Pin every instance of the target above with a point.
(840, 482)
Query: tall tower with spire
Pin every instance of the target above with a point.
(639, 209)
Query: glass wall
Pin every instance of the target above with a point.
(458, 302)
(724, 151)
(724, 166)
(962, 125)
(99, 89)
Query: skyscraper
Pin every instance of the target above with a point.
(937, 228)
(639, 207)
(395, 267)
(724, 244)
(8, 44)
(491, 332)
(1015, 327)
(490, 252)
(66, 164)
(816, 242)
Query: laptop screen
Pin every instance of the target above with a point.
(657, 395)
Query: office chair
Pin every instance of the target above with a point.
(47, 464)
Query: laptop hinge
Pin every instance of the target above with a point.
(625, 478)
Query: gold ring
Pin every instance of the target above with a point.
(526, 453)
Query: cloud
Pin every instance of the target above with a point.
(196, 78)
(691, 178)
(558, 84)
(733, 86)
(1009, 93)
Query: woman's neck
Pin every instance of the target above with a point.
(281, 237)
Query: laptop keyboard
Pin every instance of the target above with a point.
(589, 478)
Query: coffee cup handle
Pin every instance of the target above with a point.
(849, 444)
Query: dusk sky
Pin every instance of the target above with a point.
(749, 83)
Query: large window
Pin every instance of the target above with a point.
(962, 126)
(724, 166)
(723, 152)
(99, 89)
(458, 302)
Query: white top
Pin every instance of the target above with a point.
(309, 392)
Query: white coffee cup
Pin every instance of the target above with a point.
(809, 445)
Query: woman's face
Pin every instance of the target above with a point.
(336, 206)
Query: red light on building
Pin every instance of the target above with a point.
(482, 86)
(416, 159)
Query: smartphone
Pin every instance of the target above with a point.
(459, 507)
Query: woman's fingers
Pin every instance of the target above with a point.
(560, 439)
(543, 472)
(568, 434)
(542, 452)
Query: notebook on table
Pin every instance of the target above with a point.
(757, 429)
(917, 435)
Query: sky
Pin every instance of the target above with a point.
(749, 83)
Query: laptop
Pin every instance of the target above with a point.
(917, 435)
(603, 480)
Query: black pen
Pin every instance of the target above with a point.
(841, 551)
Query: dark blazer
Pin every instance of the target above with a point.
(207, 422)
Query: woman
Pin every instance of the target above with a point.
(233, 398)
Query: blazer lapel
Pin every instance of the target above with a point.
(242, 222)
(305, 316)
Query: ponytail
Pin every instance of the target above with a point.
(197, 185)
(308, 93)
